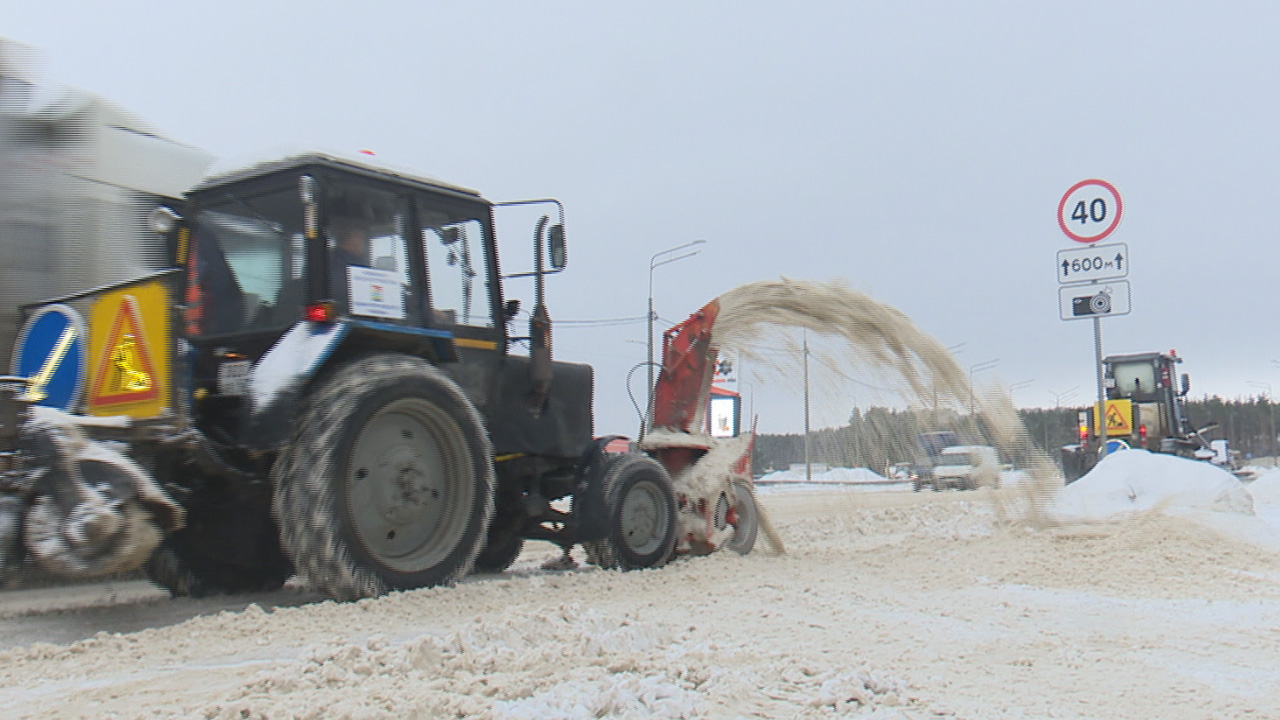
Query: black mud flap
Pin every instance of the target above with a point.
(590, 511)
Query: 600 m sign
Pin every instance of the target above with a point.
(1090, 211)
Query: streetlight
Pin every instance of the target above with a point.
(1019, 386)
(987, 365)
(654, 262)
(1058, 397)
(952, 350)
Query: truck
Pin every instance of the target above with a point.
(929, 447)
(250, 405)
(967, 467)
(1145, 409)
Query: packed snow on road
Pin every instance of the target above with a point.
(1149, 588)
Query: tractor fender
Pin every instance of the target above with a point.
(278, 379)
(590, 510)
(283, 373)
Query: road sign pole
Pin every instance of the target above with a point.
(1100, 418)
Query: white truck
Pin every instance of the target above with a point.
(967, 467)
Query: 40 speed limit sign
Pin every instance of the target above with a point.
(1090, 211)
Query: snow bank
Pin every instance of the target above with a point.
(1266, 497)
(1133, 481)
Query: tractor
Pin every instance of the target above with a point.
(1145, 409)
(321, 376)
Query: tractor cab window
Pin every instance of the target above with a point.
(456, 266)
(1136, 380)
(369, 258)
(245, 267)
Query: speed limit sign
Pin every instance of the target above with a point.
(1090, 210)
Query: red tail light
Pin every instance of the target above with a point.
(1084, 433)
(321, 312)
(1142, 434)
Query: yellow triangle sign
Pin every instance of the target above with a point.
(125, 372)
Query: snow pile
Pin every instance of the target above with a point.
(1266, 497)
(621, 695)
(570, 662)
(1134, 481)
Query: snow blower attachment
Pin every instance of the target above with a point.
(715, 492)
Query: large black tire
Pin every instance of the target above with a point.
(388, 483)
(641, 507)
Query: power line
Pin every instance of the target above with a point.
(601, 322)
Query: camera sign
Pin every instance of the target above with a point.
(1096, 262)
(1076, 302)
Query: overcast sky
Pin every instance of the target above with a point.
(917, 151)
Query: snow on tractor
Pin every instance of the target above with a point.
(320, 376)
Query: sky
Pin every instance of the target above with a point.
(915, 151)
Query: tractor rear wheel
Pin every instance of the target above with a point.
(641, 507)
(388, 483)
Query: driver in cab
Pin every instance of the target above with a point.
(351, 248)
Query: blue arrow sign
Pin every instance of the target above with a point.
(50, 353)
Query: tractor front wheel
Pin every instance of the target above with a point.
(641, 507)
(388, 483)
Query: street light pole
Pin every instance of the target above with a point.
(1058, 397)
(654, 262)
(952, 350)
(1019, 386)
(987, 365)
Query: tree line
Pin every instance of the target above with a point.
(878, 437)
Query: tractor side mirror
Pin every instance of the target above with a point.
(449, 235)
(557, 251)
(1186, 384)
(512, 307)
(307, 192)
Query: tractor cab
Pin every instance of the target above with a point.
(292, 265)
(1150, 398)
(319, 238)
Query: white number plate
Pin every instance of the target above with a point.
(233, 377)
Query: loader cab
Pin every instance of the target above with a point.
(1149, 381)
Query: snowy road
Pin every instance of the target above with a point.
(888, 605)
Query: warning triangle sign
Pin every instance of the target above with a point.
(1119, 418)
(125, 373)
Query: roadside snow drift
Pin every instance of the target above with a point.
(1133, 481)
